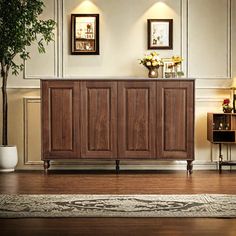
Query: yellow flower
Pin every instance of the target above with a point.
(177, 59)
(148, 63)
(154, 63)
(154, 54)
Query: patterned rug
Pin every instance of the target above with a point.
(207, 205)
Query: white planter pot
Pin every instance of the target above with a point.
(8, 158)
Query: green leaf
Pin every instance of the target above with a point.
(20, 26)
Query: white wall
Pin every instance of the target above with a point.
(204, 34)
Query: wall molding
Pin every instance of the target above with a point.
(229, 45)
(209, 99)
(59, 62)
(56, 56)
(26, 101)
(38, 86)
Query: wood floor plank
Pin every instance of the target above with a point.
(127, 182)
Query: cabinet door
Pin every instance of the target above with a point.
(99, 119)
(175, 120)
(60, 119)
(136, 115)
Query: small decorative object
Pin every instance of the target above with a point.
(152, 62)
(85, 34)
(226, 107)
(160, 34)
(220, 126)
(172, 67)
(177, 60)
(227, 126)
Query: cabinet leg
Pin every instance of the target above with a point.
(220, 158)
(220, 167)
(190, 167)
(117, 166)
(46, 166)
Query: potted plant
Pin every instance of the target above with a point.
(19, 28)
(226, 106)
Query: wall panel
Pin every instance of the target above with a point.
(44, 65)
(123, 35)
(32, 131)
(209, 38)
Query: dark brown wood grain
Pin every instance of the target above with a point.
(60, 120)
(118, 119)
(99, 119)
(175, 120)
(217, 134)
(127, 182)
(136, 115)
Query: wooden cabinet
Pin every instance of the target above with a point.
(99, 119)
(175, 120)
(136, 115)
(60, 119)
(221, 129)
(118, 119)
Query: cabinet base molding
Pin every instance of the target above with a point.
(117, 167)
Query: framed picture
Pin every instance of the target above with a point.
(160, 34)
(168, 66)
(85, 34)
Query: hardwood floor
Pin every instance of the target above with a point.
(129, 182)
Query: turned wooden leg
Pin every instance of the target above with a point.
(46, 166)
(117, 166)
(220, 167)
(190, 167)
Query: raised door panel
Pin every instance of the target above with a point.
(99, 119)
(60, 119)
(136, 115)
(175, 120)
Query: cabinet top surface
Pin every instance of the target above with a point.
(121, 79)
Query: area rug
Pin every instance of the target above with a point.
(207, 205)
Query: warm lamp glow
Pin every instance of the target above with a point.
(86, 6)
(233, 86)
(162, 9)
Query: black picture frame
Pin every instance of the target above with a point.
(85, 34)
(160, 34)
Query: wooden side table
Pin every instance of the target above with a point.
(221, 129)
(222, 162)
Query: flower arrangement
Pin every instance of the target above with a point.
(151, 60)
(177, 60)
(226, 106)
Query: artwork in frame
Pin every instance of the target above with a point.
(85, 34)
(168, 67)
(160, 34)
